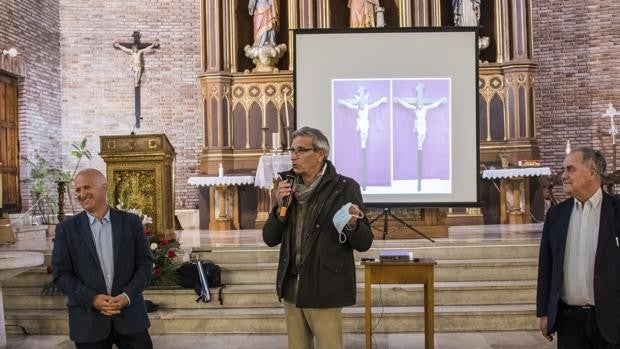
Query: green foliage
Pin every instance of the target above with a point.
(79, 151)
(45, 177)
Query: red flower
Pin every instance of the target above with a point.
(163, 242)
(171, 253)
(49, 269)
(156, 272)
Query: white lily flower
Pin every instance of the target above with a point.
(147, 220)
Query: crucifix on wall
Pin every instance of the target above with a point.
(420, 105)
(136, 50)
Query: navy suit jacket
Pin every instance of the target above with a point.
(78, 274)
(606, 267)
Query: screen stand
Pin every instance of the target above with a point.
(387, 213)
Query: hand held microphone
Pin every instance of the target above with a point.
(286, 201)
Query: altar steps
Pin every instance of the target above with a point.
(479, 286)
(263, 296)
(271, 320)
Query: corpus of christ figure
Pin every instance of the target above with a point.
(420, 106)
(360, 103)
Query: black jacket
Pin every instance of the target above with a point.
(327, 273)
(78, 274)
(606, 267)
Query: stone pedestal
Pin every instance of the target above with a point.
(223, 199)
(515, 199)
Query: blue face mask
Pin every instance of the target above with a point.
(341, 218)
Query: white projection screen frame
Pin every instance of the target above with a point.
(395, 105)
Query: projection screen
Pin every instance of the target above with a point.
(399, 109)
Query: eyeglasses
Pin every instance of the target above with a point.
(299, 150)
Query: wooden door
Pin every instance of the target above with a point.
(9, 145)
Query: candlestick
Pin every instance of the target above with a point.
(264, 146)
(288, 128)
(264, 111)
(286, 109)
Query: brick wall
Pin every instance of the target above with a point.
(97, 81)
(33, 28)
(577, 50)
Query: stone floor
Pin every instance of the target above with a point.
(480, 340)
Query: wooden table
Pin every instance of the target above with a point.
(402, 272)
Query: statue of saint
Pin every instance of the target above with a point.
(362, 13)
(137, 60)
(466, 12)
(265, 18)
(361, 104)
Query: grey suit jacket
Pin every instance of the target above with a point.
(606, 267)
(78, 274)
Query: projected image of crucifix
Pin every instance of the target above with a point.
(137, 50)
(420, 106)
(361, 104)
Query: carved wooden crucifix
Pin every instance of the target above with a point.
(136, 50)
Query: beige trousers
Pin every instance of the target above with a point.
(324, 325)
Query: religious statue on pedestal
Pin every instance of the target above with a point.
(362, 13)
(264, 52)
(467, 14)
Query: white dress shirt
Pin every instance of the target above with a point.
(580, 251)
(102, 236)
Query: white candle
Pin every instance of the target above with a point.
(275, 140)
(220, 170)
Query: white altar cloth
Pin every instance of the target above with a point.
(224, 180)
(516, 172)
(268, 168)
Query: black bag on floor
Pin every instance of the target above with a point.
(187, 276)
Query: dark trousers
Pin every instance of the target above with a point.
(140, 340)
(577, 329)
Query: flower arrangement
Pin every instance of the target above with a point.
(166, 253)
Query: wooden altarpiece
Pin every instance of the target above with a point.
(140, 170)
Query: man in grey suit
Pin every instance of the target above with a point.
(579, 264)
(102, 262)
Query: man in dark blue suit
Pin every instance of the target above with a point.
(102, 262)
(579, 265)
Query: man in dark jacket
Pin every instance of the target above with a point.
(579, 265)
(102, 262)
(318, 221)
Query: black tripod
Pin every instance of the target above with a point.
(387, 212)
